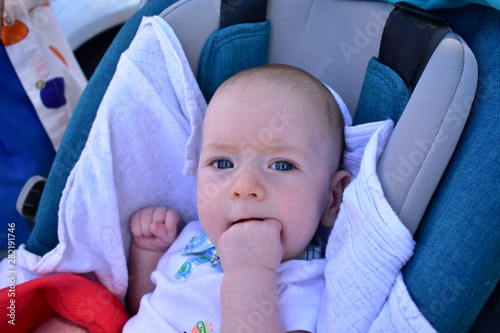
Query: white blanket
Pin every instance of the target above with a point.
(369, 245)
(143, 145)
(141, 151)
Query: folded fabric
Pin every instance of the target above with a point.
(367, 248)
(78, 299)
(140, 152)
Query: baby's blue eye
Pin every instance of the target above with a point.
(282, 166)
(222, 164)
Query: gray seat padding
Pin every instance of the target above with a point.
(428, 131)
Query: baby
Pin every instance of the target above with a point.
(268, 179)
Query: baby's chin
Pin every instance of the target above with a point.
(292, 254)
(288, 257)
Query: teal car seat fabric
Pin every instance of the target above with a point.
(44, 234)
(384, 95)
(437, 4)
(230, 50)
(456, 264)
(25, 149)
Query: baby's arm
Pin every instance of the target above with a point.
(250, 254)
(154, 229)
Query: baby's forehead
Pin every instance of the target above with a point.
(293, 88)
(264, 121)
(277, 106)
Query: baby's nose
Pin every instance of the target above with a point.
(247, 185)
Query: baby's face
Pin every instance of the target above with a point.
(264, 156)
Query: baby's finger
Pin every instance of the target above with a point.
(146, 217)
(135, 227)
(159, 214)
(159, 230)
(172, 219)
(276, 225)
(139, 224)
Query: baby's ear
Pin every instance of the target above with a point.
(338, 183)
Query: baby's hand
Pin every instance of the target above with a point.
(252, 244)
(154, 228)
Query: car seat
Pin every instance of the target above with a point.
(459, 224)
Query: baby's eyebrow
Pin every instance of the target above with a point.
(279, 148)
(222, 146)
(274, 148)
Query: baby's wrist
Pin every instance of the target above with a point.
(245, 270)
(137, 247)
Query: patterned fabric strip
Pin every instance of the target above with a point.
(205, 251)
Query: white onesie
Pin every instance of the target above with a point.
(193, 304)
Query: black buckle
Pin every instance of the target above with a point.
(29, 198)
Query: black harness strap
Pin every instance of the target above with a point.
(242, 11)
(410, 37)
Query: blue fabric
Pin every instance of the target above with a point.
(25, 149)
(438, 4)
(44, 235)
(383, 95)
(230, 50)
(456, 264)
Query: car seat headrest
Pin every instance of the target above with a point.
(427, 133)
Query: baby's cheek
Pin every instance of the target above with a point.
(210, 226)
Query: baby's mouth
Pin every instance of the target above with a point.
(247, 220)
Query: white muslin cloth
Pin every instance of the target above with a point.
(367, 248)
(142, 151)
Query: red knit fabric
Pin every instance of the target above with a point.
(81, 300)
